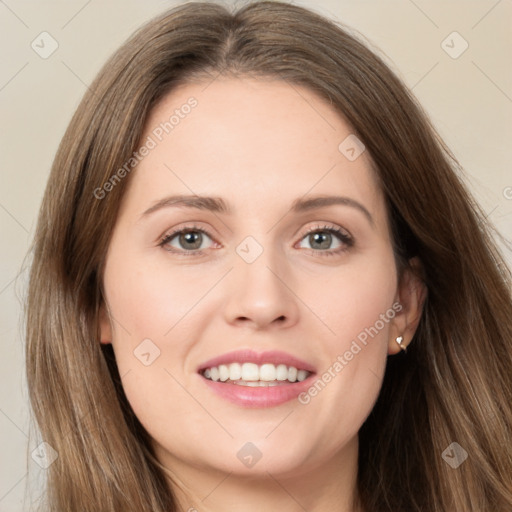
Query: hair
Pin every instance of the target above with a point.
(453, 384)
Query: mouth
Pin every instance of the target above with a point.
(254, 375)
(251, 379)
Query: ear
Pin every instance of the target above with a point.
(411, 294)
(105, 325)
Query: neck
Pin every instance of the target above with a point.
(328, 486)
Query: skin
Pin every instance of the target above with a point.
(260, 145)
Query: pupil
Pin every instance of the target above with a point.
(192, 237)
(324, 239)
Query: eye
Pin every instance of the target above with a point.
(192, 240)
(189, 239)
(321, 239)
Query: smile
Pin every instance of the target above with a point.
(254, 375)
(251, 379)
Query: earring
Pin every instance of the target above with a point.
(399, 340)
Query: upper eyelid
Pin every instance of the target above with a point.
(332, 227)
(171, 234)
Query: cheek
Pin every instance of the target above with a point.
(151, 302)
(357, 305)
(353, 298)
(148, 309)
(154, 327)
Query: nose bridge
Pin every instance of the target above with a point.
(257, 264)
(259, 292)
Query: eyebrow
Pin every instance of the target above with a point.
(218, 205)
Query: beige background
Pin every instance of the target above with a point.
(469, 99)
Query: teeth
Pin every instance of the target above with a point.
(223, 372)
(235, 371)
(257, 384)
(250, 371)
(268, 372)
(301, 375)
(282, 372)
(252, 375)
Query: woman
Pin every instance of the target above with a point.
(258, 284)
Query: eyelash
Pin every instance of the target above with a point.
(343, 237)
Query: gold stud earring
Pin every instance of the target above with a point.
(399, 340)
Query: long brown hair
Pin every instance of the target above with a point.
(453, 384)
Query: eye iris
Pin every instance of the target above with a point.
(324, 239)
(191, 237)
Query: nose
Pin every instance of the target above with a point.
(261, 294)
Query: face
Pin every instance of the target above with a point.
(264, 276)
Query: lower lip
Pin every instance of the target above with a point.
(261, 397)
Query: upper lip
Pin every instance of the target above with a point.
(275, 357)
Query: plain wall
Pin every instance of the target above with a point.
(468, 98)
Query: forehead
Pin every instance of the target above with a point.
(256, 142)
